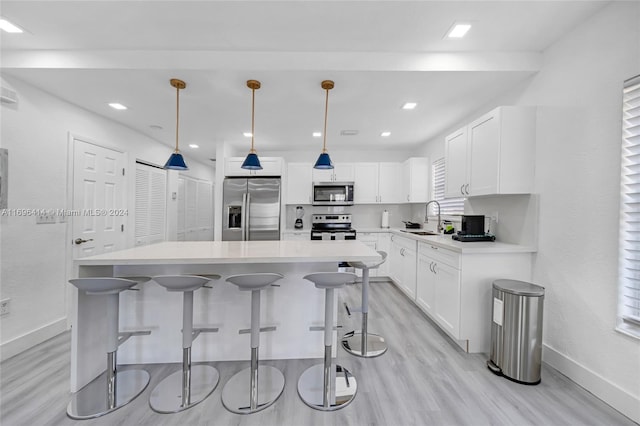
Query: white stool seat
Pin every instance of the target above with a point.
(258, 386)
(183, 282)
(326, 280)
(106, 285)
(370, 265)
(192, 384)
(327, 386)
(250, 282)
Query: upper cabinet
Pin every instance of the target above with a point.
(377, 183)
(416, 179)
(494, 154)
(341, 172)
(299, 183)
(271, 166)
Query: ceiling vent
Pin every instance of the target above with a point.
(348, 132)
(8, 96)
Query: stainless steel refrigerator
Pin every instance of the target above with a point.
(251, 209)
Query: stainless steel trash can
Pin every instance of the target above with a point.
(516, 331)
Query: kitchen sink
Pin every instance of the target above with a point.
(409, 231)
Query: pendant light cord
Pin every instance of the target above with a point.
(253, 109)
(326, 113)
(177, 114)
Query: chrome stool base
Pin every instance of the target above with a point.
(236, 394)
(342, 387)
(167, 395)
(92, 400)
(371, 346)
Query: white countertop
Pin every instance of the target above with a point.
(226, 252)
(445, 241)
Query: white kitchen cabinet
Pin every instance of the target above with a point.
(499, 156)
(456, 164)
(384, 244)
(403, 264)
(377, 183)
(271, 166)
(370, 239)
(299, 183)
(416, 177)
(341, 172)
(454, 289)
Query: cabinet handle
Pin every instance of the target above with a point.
(431, 266)
(407, 198)
(466, 189)
(434, 268)
(435, 248)
(462, 189)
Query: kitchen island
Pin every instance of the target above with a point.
(292, 307)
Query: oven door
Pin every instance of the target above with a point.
(333, 235)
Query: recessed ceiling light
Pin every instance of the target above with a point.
(317, 134)
(116, 105)
(458, 30)
(247, 134)
(193, 145)
(385, 134)
(8, 27)
(409, 105)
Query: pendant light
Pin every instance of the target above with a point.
(324, 161)
(176, 162)
(252, 162)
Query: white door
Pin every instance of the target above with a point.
(99, 195)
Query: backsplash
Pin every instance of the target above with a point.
(363, 216)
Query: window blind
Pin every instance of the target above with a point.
(448, 206)
(629, 275)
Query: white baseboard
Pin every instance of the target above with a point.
(602, 388)
(19, 344)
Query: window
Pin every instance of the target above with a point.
(629, 270)
(448, 206)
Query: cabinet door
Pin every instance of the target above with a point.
(484, 149)
(447, 298)
(372, 272)
(395, 262)
(296, 236)
(390, 183)
(232, 167)
(456, 164)
(384, 244)
(322, 175)
(416, 177)
(271, 166)
(343, 172)
(299, 183)
(365, 189)
(409, 266)
(426, 285)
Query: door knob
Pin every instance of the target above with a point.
(80, 240)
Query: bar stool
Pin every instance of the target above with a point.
(362, 343)
(112, 389)
(328, 387)
(192, 384)
(257, 387)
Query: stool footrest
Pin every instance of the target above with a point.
(123, 336)
(248, 330)
(352, 310)
(321, 328)
(197, 331)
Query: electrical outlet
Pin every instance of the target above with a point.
(494, 217)
(5, 306)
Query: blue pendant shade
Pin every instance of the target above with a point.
(252, 162)
(176, 162)
(323, 162)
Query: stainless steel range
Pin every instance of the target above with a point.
(332, 227)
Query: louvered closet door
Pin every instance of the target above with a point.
(151, 204)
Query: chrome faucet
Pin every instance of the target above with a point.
(426, 215)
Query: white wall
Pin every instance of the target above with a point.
(34, 260)
(579, 99)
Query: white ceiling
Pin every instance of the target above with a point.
(380, 55)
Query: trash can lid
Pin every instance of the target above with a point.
(519, 288)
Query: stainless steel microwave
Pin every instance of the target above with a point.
(332, 194)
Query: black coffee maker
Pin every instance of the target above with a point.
(299, 215)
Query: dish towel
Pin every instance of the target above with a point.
(326, 236)
(339, 236)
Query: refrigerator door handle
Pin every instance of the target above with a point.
(243, 217)
(247, 218)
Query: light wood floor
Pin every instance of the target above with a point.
(423, 379)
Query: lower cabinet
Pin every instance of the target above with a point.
(403, 264)
(461, 303)
(296, 235)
